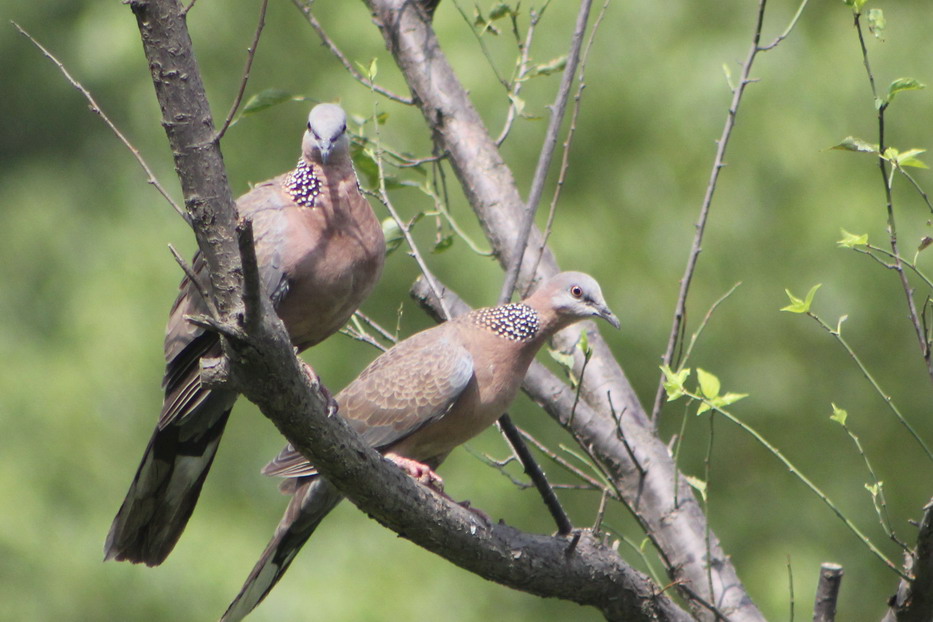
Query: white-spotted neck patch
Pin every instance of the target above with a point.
(515, 321)
(303, 184)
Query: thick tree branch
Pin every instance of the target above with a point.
(264, 367)
(827, 593)
(672, 518)
(914, 599)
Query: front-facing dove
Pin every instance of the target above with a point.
(422, 398)
(320, 251)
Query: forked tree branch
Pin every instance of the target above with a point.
(672, 518)
(263, 366)
(680, 310)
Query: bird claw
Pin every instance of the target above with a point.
(419, 471)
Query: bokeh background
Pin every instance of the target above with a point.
(86, 282)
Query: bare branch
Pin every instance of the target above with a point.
(547, 152)
(250, 54)
(886, 180)
(193, 278)
(671, 517)
(305, 8)
(268, 373)
(571, 131)
(827, 592)
(914, 599)
(680, 310)
(96, 109)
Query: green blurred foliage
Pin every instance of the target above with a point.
(87, 283)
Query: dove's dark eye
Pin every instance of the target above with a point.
(576, 291)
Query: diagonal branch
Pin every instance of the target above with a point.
(264, 368)
(95, 108)
(680, 310)
(250, 55)
(672, 518)
(547, 152)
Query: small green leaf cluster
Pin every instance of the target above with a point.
(708, 392)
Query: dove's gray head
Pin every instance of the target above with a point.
(326, 135)
(572, 296)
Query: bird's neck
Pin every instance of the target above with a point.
(515, 321)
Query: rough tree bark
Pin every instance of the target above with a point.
(264, 367)
(671, 518)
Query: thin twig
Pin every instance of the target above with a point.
(621, 436)
(787, 31)
(305, 8)
(925, 350)
(547, 151)
(837, 335)
(913, 182)
(876, 490)
(403, 226)
(96, 109)
(208, 323)
(601, 511)
(564, 526)
(707, 477)
(482, 45)
(194, 280)
(706, 318)
(909, 264)
(568, 141)
(250, 55)
(564, 464)
(774, 451)
(521, 70)
(587, 355)
(680, 310)
(385, 334)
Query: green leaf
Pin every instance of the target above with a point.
(563, 359)
(851, 143)
(266, 99)
(697, 484)
(728, 72)
(519, 104)
(709, 384)
(904, 84)
(855, 4)
(674, 382)
(909, 158)
(443, 244)
(393, 235)
(850, 240)
(485, 25)
(552, 66)
(584, 344)
(876, 23)
(730, 398)
(839, 415)
(371, 71)
(501, 10)
(800, 306)
(366, 164)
